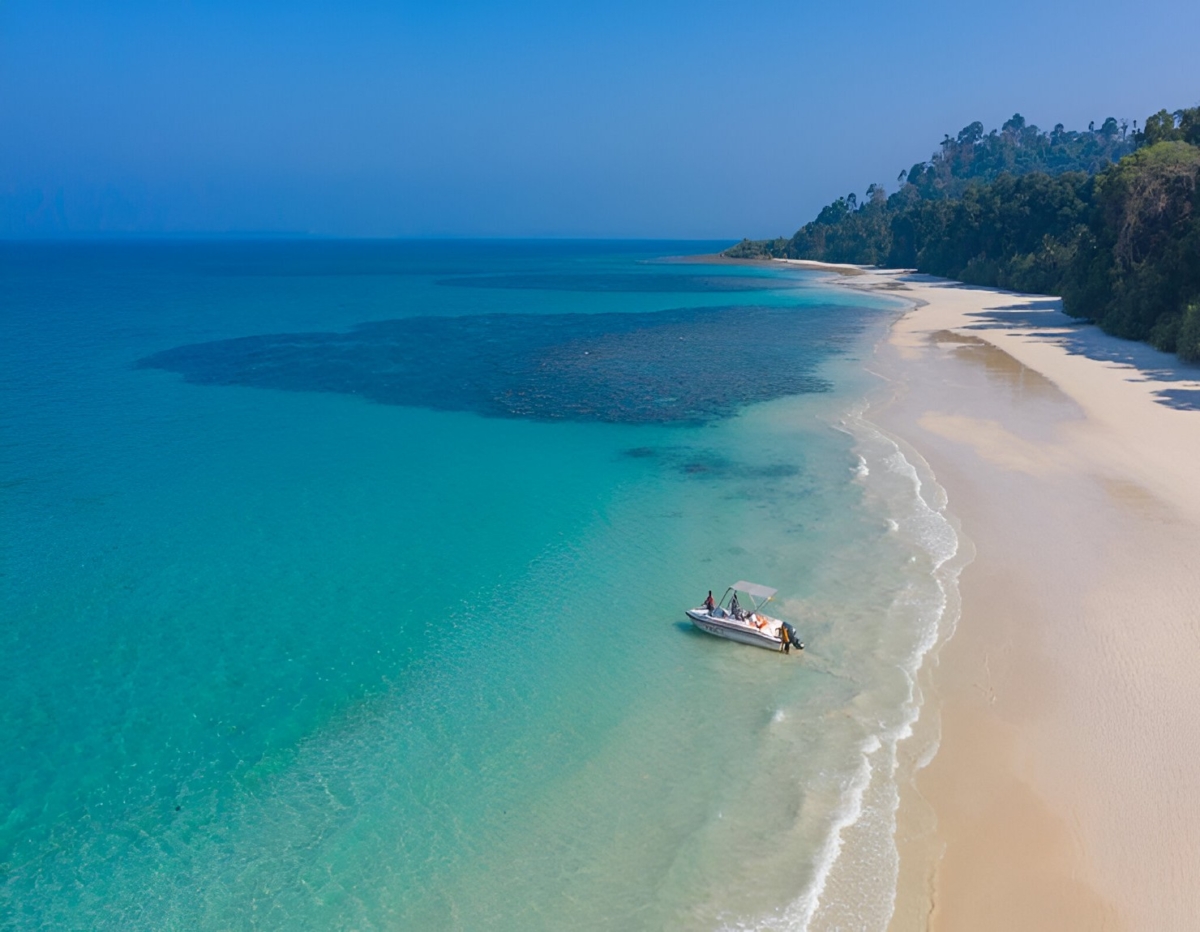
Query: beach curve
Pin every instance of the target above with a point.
(1062, 791)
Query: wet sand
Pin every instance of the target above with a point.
(1066, 790)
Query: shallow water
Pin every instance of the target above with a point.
(361, 655)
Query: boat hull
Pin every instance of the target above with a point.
(732, 630)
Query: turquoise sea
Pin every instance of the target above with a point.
(343, 587)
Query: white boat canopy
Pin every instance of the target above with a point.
(754, 589)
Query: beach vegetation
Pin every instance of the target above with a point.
(1109, 219)
(1188, 339)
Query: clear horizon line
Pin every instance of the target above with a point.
(77, 236)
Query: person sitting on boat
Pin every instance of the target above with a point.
(709, 603)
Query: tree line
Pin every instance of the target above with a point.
(1109, 219)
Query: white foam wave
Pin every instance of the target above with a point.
(918, 514)
(801, 911)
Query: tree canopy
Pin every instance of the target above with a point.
(1106, 218)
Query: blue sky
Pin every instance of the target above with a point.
(692, 119)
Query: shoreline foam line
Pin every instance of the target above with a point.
(1059, 795)
(916, 507)
(939, 538)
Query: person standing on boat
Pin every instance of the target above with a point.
(709, 603)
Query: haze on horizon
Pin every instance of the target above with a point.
(700, 119)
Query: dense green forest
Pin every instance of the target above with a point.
(1108, 218)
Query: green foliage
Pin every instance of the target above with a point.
(758, 249)
(1045, 213)
(1017, 148)
(1180, 126)
(1188, 339)
(1148, 232)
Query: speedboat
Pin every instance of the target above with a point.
(730, 619)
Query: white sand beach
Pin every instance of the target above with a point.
(1066, 790)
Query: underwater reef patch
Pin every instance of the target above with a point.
(687, 365)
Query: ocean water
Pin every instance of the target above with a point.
(343, 586)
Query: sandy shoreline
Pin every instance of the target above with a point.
(1066, 790)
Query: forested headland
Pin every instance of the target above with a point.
(1108, 218)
